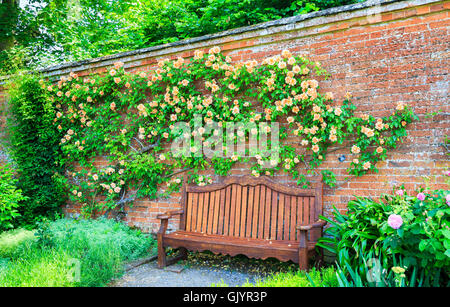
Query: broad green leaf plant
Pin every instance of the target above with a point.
(400, 239)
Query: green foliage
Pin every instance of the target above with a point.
(370, 251)
(325, 277)
(78, 235)
(14, 60)
(37, 268)
(10, 241)
(33, 148)
(395, 277)
(329, 178)
(10, 197)
(130, 119)
(8, 22)
(100, 247)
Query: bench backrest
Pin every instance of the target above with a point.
(250, 207)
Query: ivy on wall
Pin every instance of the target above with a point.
(34, 148)
(130, 120)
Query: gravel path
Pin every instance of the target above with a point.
(177, 275)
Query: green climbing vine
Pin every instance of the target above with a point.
(131, 119)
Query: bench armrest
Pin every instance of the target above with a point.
(165, 220)
(316, 224)
(169, 214)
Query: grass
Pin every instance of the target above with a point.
(39, 268)
(325, 277)
(70, 253)
(11, 240)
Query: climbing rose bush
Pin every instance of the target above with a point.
(130, 118)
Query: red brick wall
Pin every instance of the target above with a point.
(400, 55)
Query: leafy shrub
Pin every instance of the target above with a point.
(33, 147)
(399, 240)
(97, 247)
(10, 197)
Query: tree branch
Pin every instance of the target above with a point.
(178, 172)
(147, 148)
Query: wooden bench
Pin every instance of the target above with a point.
(252, 216)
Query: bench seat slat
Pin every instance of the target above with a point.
(287, 217)
(256, 199)
(238, 211)
(280, 218)
(233, 209)
(205, 219)
(244, 208)
(250, 204)
(226, 221)
(273, 219)
(221, 212)
(194, 211)
(198, 226)
(215, 215)
(262, 210)
(189, 211)
(293, 230)
(233, 240)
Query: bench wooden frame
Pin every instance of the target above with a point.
(256, 217)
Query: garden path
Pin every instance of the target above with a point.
(178, 275)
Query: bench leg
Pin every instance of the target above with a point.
(303, 259)
(162, 261)
(162, 257)
(303, 250)
(183, 253)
